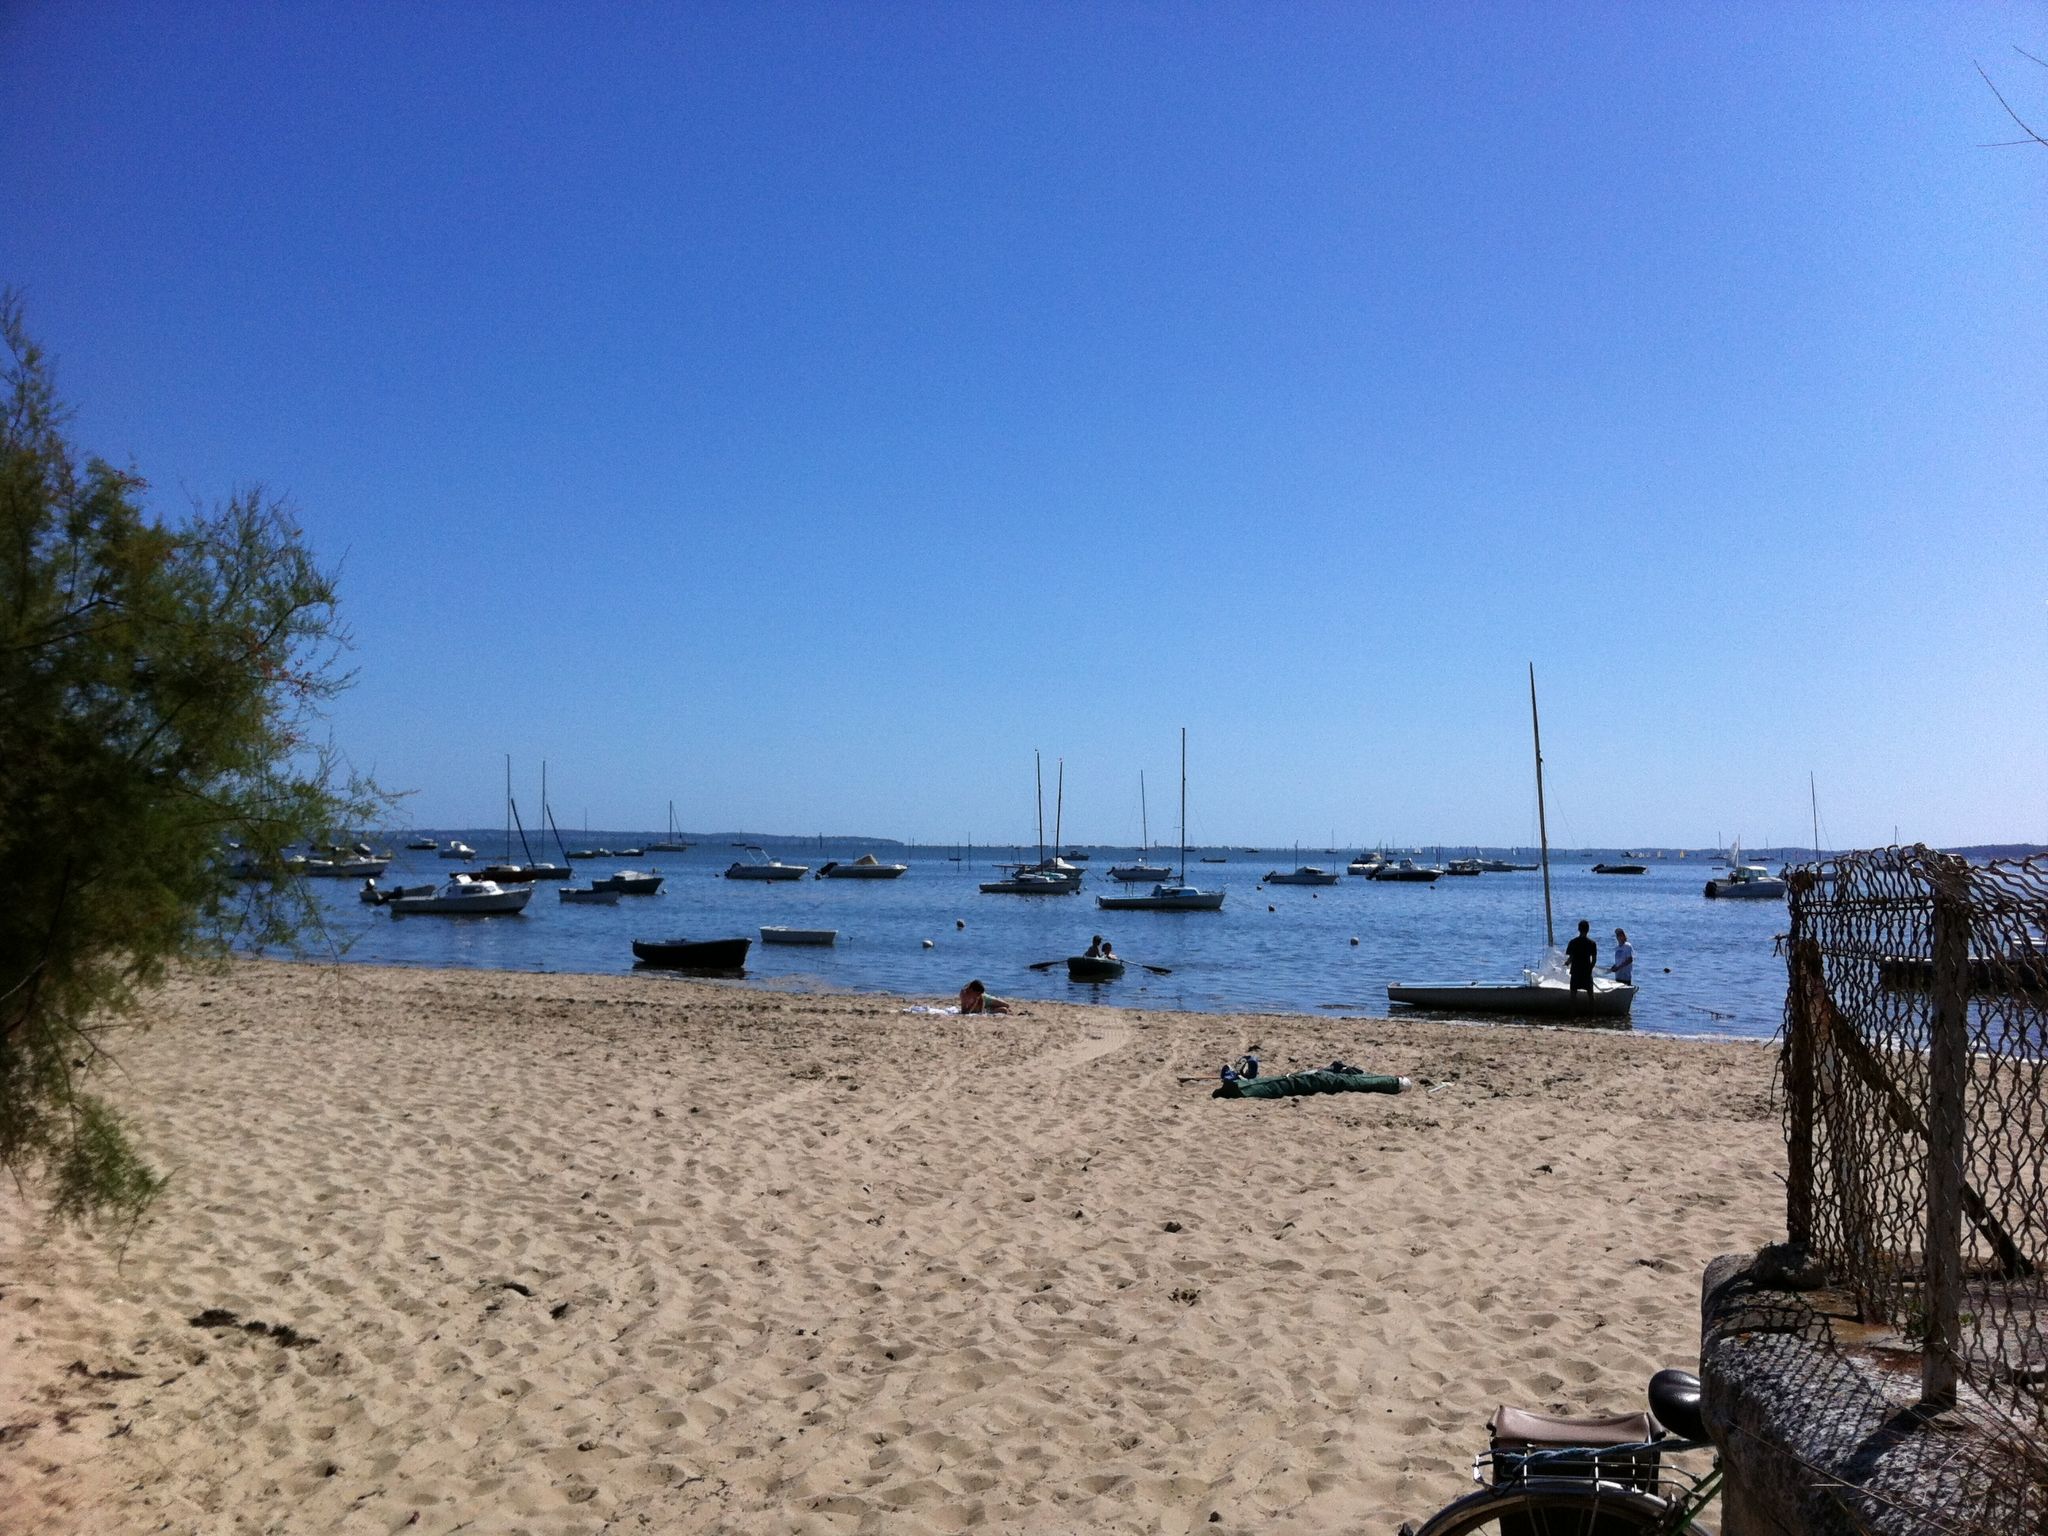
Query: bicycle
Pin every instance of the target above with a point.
(1589, 1477)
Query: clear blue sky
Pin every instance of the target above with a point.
(804, 411)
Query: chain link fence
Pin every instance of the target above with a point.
(1915, 1071)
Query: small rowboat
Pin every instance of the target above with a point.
(721, 955)
(1094, 968)
(1621, 869)
(780, 935)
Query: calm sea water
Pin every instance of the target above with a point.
(1704, 967)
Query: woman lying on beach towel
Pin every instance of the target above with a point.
(974, 998)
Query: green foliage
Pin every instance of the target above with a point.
(158, 688)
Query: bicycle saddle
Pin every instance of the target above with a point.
(1675, 1400)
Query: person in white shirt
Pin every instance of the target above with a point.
(1624, 958)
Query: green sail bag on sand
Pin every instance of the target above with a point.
(1295, 1084)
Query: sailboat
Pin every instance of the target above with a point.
(670, 843)
(1048, 877)
(509, 873)
(1171, 896)
(1539, 993)
(1134, 874)
(1302, 874)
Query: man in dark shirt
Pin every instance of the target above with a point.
(1580, 955)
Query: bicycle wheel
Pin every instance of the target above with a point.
(1557, 1507)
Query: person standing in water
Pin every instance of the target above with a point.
(1580, 955)
(1624, 958)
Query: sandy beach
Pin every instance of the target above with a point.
(485, 1252)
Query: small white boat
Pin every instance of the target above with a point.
(1366, 863)
(866, 867)
(346, 869)
(767, 869)
(589, 895)
(422, 845)
(1030, 882)
(464, 897)
(817, 936)
(1306, 874)
(458, 849)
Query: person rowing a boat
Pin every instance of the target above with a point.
(1095, 947)
(974, 998)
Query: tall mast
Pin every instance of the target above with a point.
(1542, 828)
(1038, 768)
(1144, 822)
(1059, 807)
(1183, 805)
(508, 807)
(1814, 795)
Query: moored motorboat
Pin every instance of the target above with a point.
(589, 895)
(777, 934)
(464, 897)
(374, 896)
(422, 845)
(1463, 867)
(346, 869)
(1305, 874)
(866, 867)
(767, 869)
(1747, 881)
(1621, 869)
(1366, 863)
(718, 955)
(629, 882)
(1027, 882)
(458, 849)
(1406, 870)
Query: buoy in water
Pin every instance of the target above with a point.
(959, 922)
(1354, 941)
(927, 943)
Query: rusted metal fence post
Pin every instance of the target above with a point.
(1947, 1072)
(1800, 1025)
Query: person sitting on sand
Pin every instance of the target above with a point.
(974, 998)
